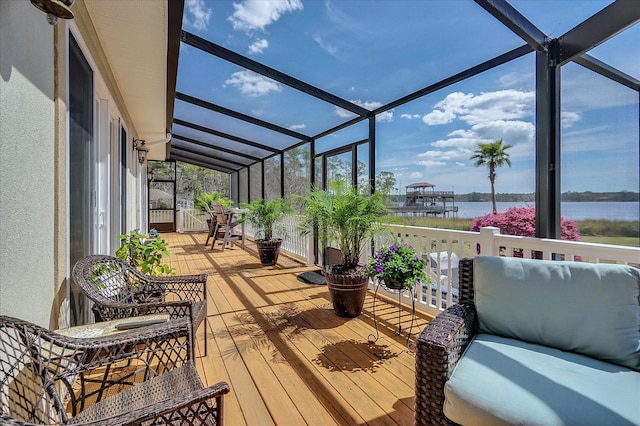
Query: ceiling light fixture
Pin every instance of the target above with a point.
(55, 9)
(138, 144)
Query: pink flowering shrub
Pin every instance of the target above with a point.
(521, 221)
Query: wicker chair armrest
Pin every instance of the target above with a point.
(450, 329)
(177, 279)
(439, 348)
(192, 287)
(117, 310)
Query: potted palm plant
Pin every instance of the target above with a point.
(263, 215)
(348, 217)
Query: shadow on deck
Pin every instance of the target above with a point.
(287, 357)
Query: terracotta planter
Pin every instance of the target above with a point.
(268, 251)
(347, 293)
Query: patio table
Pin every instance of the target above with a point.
(108, 328)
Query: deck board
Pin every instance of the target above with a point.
(286, 356)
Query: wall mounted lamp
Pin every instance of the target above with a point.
(55, 9)
(138, 144)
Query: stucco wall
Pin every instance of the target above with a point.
(27, 167)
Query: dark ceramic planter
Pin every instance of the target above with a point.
(268, 251)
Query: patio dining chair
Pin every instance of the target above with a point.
(119, 290)
(225, 229)
(213, 220)
(138, 376)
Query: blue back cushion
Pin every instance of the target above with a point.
(591, 309)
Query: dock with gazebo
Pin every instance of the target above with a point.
(421, 199)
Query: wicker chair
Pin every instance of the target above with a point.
(439, 347)
(119, 290)
(139, 376)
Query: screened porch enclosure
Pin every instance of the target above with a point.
(559, 69)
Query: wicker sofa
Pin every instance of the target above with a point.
(533, 342)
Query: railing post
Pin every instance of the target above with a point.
(179, 221)
(310, 249)
(488, 246)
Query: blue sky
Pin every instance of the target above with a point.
(373, 52)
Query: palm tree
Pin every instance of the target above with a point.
(493, 154)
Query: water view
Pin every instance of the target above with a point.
(610, 210)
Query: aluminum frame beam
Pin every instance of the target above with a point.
(213, 157)
(187, 139)
(195, 162)
(240, 116)
(226, 136)
(599, 28)
(608, 71)
(287, 80)
(516, 22)
(491, 63)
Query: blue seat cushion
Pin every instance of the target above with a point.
(591, 309)
(503, 381)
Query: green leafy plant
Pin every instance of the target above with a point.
(146, 255)
(205, 199)
(346, 215)
(264, 214)
(398, 263)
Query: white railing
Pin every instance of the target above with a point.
(293, 243)
(189, 220)
(442, 248)
(161, 216)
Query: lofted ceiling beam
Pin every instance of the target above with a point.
(605, 24)
(198, 162)
(225, 135)
(250, 64)
(219, 148)
(188, 150)
(240, 116)
(608, 71)
(498, 60)
(516, 22)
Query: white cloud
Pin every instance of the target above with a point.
(251, 84)
(297, 126)
(256, 14)
(473, 109)
(410, 116)
(460, 164)
(324, 45)
(196, 15)
(517, 79)
(569, 118)
(343, 113)
(258, 46)
(436, 117)
(432, 163)
(386, 116)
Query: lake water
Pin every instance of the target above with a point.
(611, 210)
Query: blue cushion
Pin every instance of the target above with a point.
(506, 381)
(591, 309)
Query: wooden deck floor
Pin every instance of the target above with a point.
(288, 359)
